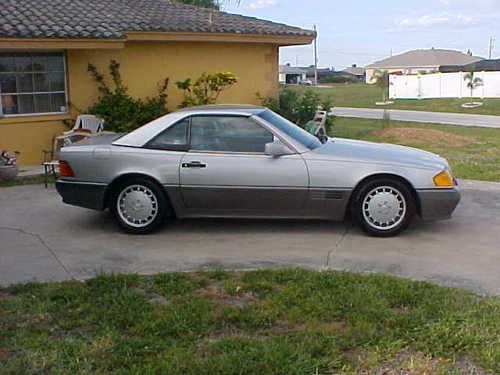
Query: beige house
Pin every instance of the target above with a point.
(417, 61)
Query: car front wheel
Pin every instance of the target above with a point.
(139, 206)
(383, 207)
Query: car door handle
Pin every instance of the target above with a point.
(194, 164)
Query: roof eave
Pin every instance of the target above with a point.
(60, 43)
(158, 36)
(146, 36)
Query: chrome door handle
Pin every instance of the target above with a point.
(194, 164)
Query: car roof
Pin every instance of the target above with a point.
(226, 108)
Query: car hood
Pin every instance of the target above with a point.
(370, 152)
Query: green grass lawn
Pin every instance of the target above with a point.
(473, 153)
(287, 321)
(27, 181)
(361, 95)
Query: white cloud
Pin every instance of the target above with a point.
(438, 20)
(262, 4)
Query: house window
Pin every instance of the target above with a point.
(32, 83)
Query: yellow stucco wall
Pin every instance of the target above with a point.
(30, 136)
(143, 65)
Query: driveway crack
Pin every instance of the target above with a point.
(43, 243)
(339, 242)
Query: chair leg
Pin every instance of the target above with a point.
(45, 173)
(54, 173)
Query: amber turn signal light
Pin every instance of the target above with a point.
(443, 179)
(65, 169)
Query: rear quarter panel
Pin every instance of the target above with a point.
(102, 164)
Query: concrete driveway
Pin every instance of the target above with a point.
(43, 239)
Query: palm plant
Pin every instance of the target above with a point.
(381, 79)
(472, 83)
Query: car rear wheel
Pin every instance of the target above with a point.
(383, 207)
(139, 206)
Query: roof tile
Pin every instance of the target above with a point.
(111, 18)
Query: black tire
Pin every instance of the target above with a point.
(367, 223)
(160, 205)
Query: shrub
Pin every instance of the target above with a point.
(298, 106)
(206, 88)
(120, 111)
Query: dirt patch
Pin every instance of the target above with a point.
(418, 136)
(216, 293)
(416, 363)
(4, 355)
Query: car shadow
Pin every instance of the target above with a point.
(104, 222)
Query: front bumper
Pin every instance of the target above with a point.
(83, 194)
(437, 204)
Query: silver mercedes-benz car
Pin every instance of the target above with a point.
(249, 162)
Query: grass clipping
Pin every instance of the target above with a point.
(422, 137)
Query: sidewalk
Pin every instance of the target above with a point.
(459, 119)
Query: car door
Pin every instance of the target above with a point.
(226, 170)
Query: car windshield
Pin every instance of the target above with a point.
(290, 129)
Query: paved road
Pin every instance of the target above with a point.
(420, 116)
(43, 239)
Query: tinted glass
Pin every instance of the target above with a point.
(174, 136)
(228, 133)
(290, 129)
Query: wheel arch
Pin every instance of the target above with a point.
(376, 176)
(126, 176)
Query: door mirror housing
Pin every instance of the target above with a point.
(277, 149)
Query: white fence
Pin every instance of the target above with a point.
(443, 85)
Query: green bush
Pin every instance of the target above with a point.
(298, 106)
(120, 111)
(206, 88)
(338, 79)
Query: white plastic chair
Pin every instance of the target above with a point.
(89, 123)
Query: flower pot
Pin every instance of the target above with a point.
(8, 172)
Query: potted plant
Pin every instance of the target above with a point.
(8, 167)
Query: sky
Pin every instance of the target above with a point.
(361, 32)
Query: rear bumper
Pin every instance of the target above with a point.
(437, 204)
(83, 194)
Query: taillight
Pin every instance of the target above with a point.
(65, 169)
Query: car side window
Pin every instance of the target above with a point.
(228, 134)
(175, 137)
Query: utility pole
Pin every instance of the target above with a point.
(315, 58)
(492, 46)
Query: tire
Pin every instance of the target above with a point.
(383, 207)
(139, 205)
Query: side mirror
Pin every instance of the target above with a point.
(277, 149)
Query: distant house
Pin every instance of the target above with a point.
(478, 66)
(292, 75)
(355, 72)
(413, 62)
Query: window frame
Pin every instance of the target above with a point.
(65, 92)
(227, 152)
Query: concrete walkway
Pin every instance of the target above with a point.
(420, 116)
(43, 239)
